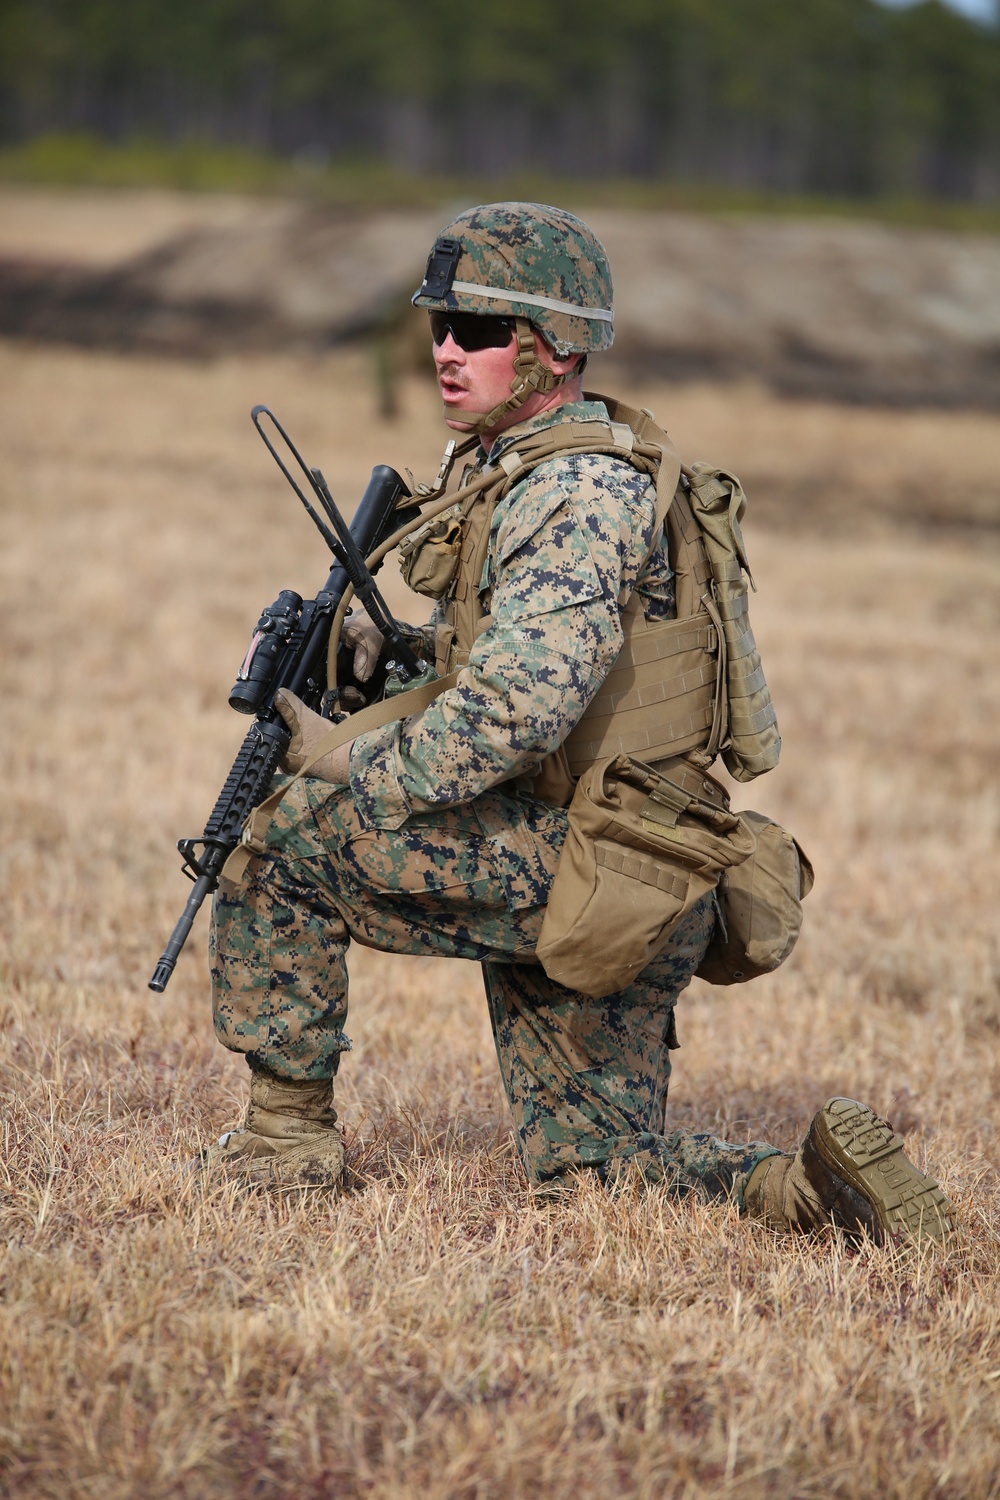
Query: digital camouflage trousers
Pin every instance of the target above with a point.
(586, 1079)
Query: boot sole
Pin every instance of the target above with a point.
(868, 1154)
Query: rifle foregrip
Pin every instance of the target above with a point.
(247, 783)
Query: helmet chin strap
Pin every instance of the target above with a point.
(530, 375)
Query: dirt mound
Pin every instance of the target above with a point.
(856, 311)
(850, 310)
(292, 276)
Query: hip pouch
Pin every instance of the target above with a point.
(761, 905)
(642, 848)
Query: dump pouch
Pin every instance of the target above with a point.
(761, 904)
(642, 847)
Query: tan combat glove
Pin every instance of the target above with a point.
(308, 729)
(361, 632)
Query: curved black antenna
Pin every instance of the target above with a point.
(342, 544)
(321, 526)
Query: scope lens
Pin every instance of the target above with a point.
(246, 697)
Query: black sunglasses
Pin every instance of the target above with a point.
(472, 331)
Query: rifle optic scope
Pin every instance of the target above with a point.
(273, 631)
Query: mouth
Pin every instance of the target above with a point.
(452, 390)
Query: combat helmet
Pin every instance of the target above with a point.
(539, 265)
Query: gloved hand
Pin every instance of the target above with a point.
(308, 729)
(361, 632)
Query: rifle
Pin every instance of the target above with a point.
(289, 650)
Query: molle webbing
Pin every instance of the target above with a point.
(659, 699)
(688, 557)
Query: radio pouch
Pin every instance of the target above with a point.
(429, 556)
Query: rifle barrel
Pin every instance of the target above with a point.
(203, 886)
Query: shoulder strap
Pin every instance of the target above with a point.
(647, 435)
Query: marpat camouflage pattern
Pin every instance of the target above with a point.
(586, 1079)
(438, 848)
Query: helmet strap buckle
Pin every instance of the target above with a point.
(530, 375)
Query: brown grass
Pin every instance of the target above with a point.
(435, 1334)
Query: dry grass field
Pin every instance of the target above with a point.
(435, 1334)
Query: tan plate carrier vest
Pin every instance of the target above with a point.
(692, 686)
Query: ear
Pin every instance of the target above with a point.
(548, 356)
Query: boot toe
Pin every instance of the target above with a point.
(314, 1163)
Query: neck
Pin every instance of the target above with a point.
(563, 395)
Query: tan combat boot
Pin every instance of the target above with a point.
(289, 1139)
(850, 1171)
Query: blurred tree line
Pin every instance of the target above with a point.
(828, 96)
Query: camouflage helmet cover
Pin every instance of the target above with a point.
(524, 260)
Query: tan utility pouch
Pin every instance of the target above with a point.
(761, 902)
(718, 504)
(429, 556)
(641, 849)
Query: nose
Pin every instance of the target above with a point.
(448, 353)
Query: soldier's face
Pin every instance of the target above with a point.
(473, 380)
(477, 380)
